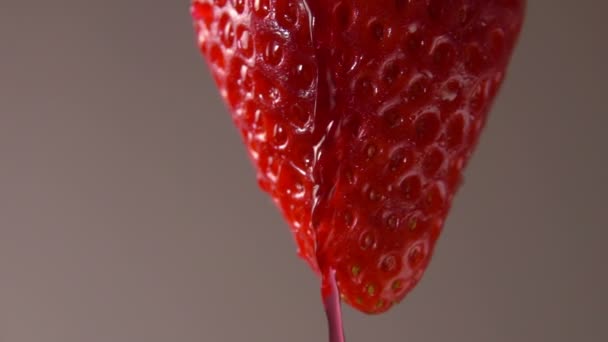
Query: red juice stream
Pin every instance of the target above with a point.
(331, 302)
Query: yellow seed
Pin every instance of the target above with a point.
(379, 304)
(359, 300)
(371, 290)
(413, 223)
(355, 270)
(397, 284)
(392, 221)
(371, 151)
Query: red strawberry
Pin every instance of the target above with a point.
(360, 117)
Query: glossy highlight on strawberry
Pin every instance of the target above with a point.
(360, 117)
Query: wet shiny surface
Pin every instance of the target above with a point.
(361, 120)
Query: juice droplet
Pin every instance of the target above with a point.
(331, 301)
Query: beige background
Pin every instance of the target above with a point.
(129, 211)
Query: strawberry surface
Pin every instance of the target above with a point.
(360, 117)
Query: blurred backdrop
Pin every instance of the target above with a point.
(129, 211)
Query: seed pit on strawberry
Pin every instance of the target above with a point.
(389, 264)
(412, 223)
(273, 53)
(411, 187)
(345, 61)
(496, 43)
(368, 240)
(427, 129)
(371, 151)
(475, 59)
(393, 71)
(287, 12)
(455, 131)
(344, 15)
(392, 221)
(244, 41)
(274, 95)
(348, 218)
(239, 5)
(226, 30)
(280, 136)
(355, 270)
(240, 82)
(478, 98)
(444, 54)
(380, 305)
(392, 116)
(433, 161)
(419, 89)
(365, 87)
(435, 198)
(415, 41)
(374, 195)
(416, 255)
(451, 96)
(371, 290)
(377, 30)
(401, 160)
(261, 7)
(304, 75)
(397, 285)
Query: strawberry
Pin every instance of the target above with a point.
(360, 117)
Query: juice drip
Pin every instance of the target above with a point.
(331, 302)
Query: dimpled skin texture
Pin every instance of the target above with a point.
(360, 117)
